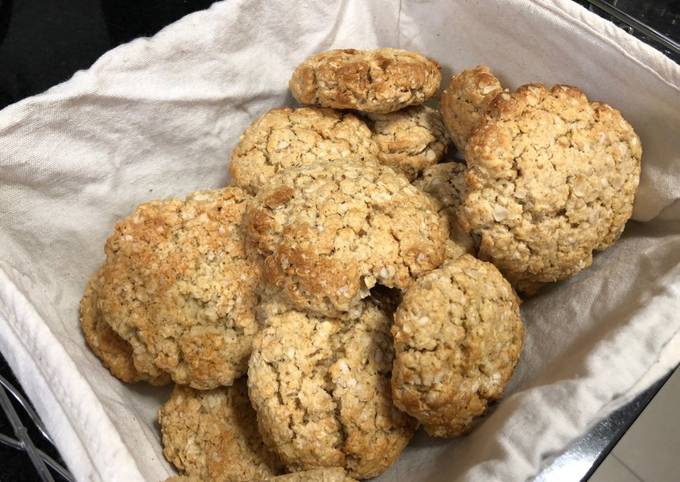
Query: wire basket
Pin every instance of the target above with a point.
(40, 460)
(654, 22)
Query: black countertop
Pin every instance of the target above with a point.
(43, 42)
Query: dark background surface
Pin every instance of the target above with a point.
(43, 42)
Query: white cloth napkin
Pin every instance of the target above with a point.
(158, 117)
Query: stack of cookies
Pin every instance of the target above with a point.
(357, 281)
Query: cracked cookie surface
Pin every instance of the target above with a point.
(411, 139)
(336, 474)
(321, 389)
(446, 184)
(465, 101)
(382, 80)
(177, 285)
(212, 435)
(114, 352)
(284, 138)
(551, 177)
(330, 231)
(458, 336)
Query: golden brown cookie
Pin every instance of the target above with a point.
(465, 100)
(213, 435)
(551, 177)
(284, 138)
(446, 184)
(411, 139)
(184, 478)
(321, 389)
(114, 352)
(336, 474)
(330, 231)
(177, 285)
(457, 336)
(455, 249)
(382, 80)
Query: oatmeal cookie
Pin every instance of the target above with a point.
(446, 184)
(177, 285)
(213, 435)
(411, 139)
(114, 352)
(457, 336)
(465, 100)
(455, 249)
(336, 474)
(284, 138)
(551, 177)
(382, 80)
(330, 231)
(321, 389)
